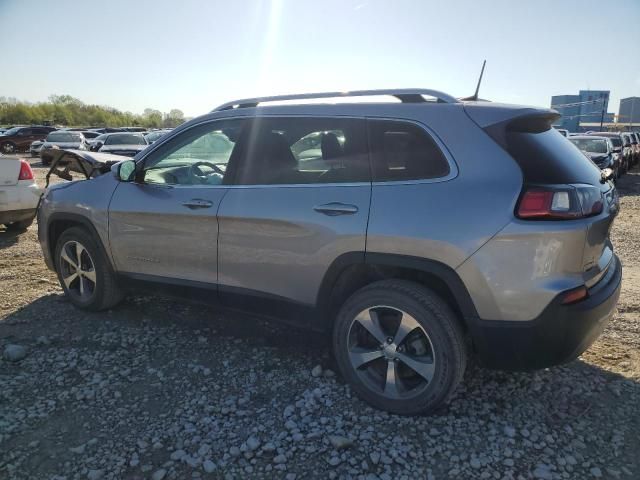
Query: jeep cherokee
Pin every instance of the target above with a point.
(418, 233)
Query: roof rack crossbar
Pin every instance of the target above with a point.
(406, 95)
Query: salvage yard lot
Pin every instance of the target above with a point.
(162, 389)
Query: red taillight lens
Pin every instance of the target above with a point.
(25, 171)
(575, 295)
(559, 202)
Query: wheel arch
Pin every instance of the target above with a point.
(354, 270)
(60, 222)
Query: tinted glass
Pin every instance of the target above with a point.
(404, 151)
(589, 145)
(616, 142)
(277, 151)
(125, 139)
(198, 156)
(548, 157)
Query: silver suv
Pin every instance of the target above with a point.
(419, 233)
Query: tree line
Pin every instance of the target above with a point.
(65, 110)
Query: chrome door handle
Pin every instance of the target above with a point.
(197, 203)
(336, 208)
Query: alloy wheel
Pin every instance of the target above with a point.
(8, 147)
(391, 352)
(77, 270)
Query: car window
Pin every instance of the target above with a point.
(404, 151)
(125, 139)
(197, 156)
(589, 145)
(23, 132)
(64, 137)
(303, 150)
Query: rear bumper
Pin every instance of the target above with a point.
(560, 334)
(12, 216)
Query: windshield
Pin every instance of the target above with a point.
(12, 131)
(589, 145)
(125, 139)
(64, 137)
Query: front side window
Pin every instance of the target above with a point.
(304, 150)
(197, 156)
(404, 151)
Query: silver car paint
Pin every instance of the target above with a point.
(152, 232)
(275, 243)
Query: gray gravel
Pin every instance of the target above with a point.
(165, 390)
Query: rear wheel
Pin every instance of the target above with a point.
(84, 271)
(400, 347)
(8, 147)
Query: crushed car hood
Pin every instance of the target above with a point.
(90, 164)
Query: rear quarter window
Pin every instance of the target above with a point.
(548, 157)
(402, 150)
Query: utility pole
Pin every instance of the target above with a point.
(602, 116)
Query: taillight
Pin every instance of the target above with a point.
(559, 202)
(25, 171)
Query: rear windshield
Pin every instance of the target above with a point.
(548, 158)
(125, 139)
(64, 137)
(589, 145)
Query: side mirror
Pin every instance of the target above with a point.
(97, 146)
(126, 171)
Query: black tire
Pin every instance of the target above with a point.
(20, 226)
(105, 293)
(435, 318)
(8, 147)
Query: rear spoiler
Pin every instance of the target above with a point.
(497, 120)
(90, 164)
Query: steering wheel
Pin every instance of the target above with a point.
(195, 172)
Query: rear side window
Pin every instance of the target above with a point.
(404, 151)
(548, 157)
(303, 150)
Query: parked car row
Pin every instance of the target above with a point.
(617, 151)
(38, 139)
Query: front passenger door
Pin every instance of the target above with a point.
(163, 226)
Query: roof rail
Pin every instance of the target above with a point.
(405, 95)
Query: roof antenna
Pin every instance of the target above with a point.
(475, 95)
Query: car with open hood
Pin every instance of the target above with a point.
(61, 139)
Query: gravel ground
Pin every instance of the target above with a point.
(165, 390)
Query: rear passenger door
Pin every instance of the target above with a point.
(299, 200)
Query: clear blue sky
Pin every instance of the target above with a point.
(193, 55)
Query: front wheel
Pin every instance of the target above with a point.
(84, 271)
(400, 346)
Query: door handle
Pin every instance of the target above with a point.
(336, 208)
(197, 203)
